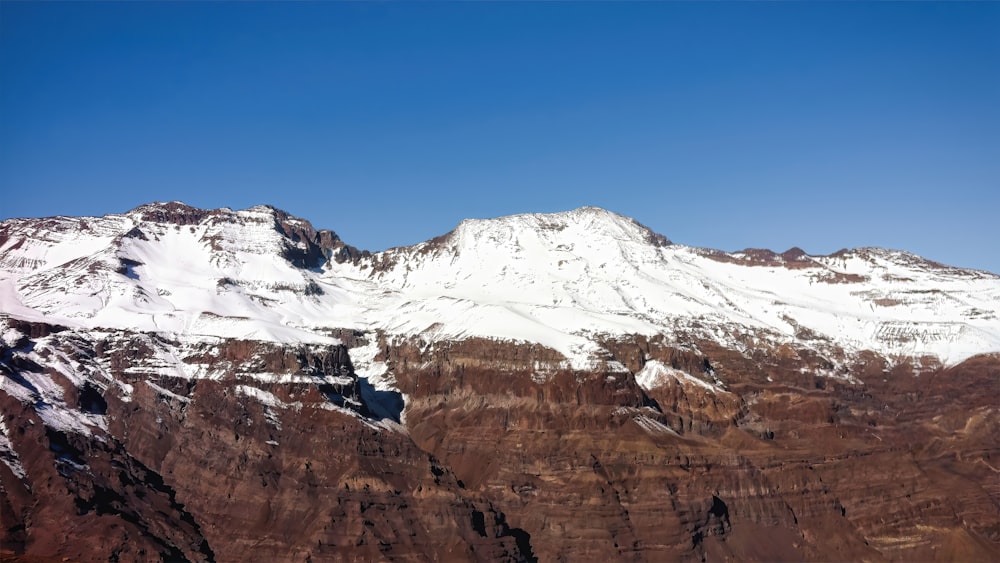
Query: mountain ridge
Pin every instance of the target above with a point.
(169, 211)
(549, 278)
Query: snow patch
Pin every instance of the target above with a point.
(653, 426)
(265, 397)
(655, 374)
(8, 455)
(167, 393)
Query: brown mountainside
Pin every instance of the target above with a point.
(493, 462)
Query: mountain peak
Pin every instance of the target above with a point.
(176, 212)
(582, 222)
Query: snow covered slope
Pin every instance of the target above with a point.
(565, 280)
(220, 273)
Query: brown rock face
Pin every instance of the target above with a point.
(136, 447)
(801, 467)
(228, 469)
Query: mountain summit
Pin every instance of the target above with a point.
(557, 228)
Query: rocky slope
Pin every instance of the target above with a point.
(183, 384)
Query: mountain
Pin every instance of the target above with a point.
(223, 385)
(559, 280)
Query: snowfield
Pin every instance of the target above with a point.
(563, 280)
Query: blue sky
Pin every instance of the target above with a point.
(727, 125)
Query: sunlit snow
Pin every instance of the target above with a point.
(562, 280)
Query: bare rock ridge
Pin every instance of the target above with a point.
(305, 246)
(181, 384)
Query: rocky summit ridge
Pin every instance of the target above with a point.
(222, 385)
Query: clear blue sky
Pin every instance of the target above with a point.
(727, 125)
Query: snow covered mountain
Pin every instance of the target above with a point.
(564, 280)
(218, 385)
(561, 279)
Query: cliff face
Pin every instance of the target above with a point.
(272, 452)
(889, 467)
(181, 384)
(269, 457)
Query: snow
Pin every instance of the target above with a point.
(167, 393)
(58, 416)
(655, 374)
(10, 336)
(8, 455)
(383, 398)
(270, 403)
(62, 240)
(653, 426)
(45, 392)
(379, 425)
(561, 280)
(264, 397)
(365, 365)
(46, 395)
(220, 278)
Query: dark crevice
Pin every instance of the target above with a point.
(91, 401)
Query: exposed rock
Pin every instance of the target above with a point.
(831, 473)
